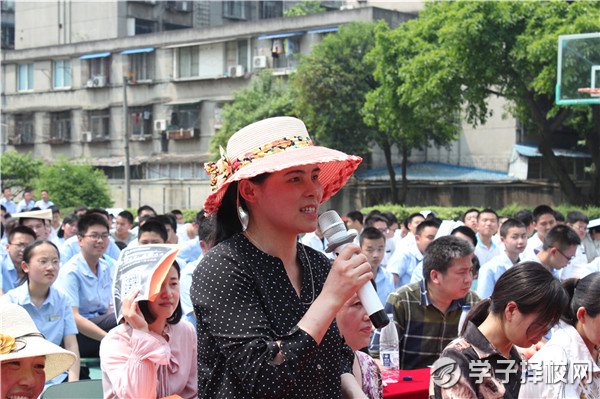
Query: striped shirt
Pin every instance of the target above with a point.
(424, 331)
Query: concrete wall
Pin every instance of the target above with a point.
(486, 146)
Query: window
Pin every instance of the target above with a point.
(99, 67)
(8, 35)
(271, 9)
(143, 26)
(185, 117)
(236, 54)
(193, 170)
(284, 52)
(60, 126)
(61, 70)
(100, 124)
(188, 62)
(234, 9)
(142, 66)
(25, 79)
(25, 128)
(140, 121)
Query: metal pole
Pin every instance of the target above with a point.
(126, 138)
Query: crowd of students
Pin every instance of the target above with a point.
(247, 310)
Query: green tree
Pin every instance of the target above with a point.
(72, 184)
(265, 97)
(305, 8)
(464, 52)
(19, 170)
(398, 123)
(331, 84)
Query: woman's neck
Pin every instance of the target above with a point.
(589, 344)
(278, 244)
(158, 326)
(493, 331)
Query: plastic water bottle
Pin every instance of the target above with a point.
(389, 345)
(463, 317)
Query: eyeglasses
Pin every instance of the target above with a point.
(46, 262)
(97, 237)
(563, 254)
(19, 246)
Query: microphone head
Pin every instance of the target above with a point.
(334, 230)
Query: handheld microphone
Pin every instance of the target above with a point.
(337, 236)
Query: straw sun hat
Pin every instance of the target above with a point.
(273, 145)
(20, 338)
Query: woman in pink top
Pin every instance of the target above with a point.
(152, 354)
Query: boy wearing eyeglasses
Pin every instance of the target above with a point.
(560, 246)
(87, 280)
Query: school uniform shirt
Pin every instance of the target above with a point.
(71, 248)
(245, 303)
(25, 206)
(9, 278)
(384, 281)
(54, 318)
(185, 284)
(534, 243)
(476, 357)
(490, 272)
(10, 205)
(403, 264)
(565, 351)
(138, 364)
(485, 254)
(191, 250)
(44, 205)
(91, 293)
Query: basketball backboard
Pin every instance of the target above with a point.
(578, 70)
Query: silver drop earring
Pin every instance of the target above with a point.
(241, 213)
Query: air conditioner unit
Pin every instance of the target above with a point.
(96, 81)
(160, 125)
(259, 61)
(235, 70)
(86, 137)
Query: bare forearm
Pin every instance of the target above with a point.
(318, 318)
(71, 345)
(88, 328)
(350, 387)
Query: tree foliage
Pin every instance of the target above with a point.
(330, 85)
(71, 185)
(458, 54)
(266, 96)
(19, 170)
(305, 8)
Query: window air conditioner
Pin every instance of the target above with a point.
(259, 61)
(235, 70)
(86, 137)
(160, 125)
(96, 81)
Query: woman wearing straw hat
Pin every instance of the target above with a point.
(265, 303)
(27, 360)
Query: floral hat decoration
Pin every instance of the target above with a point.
(20, 338)
(273, 145)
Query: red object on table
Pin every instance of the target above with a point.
(416, 388)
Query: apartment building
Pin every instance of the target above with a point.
(67, 99)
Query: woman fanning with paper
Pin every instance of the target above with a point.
(265, 304)
(153, 353)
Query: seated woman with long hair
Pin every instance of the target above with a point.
(572, 352)
(517, 313)
(152, 354)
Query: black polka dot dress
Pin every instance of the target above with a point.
(245, 302)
